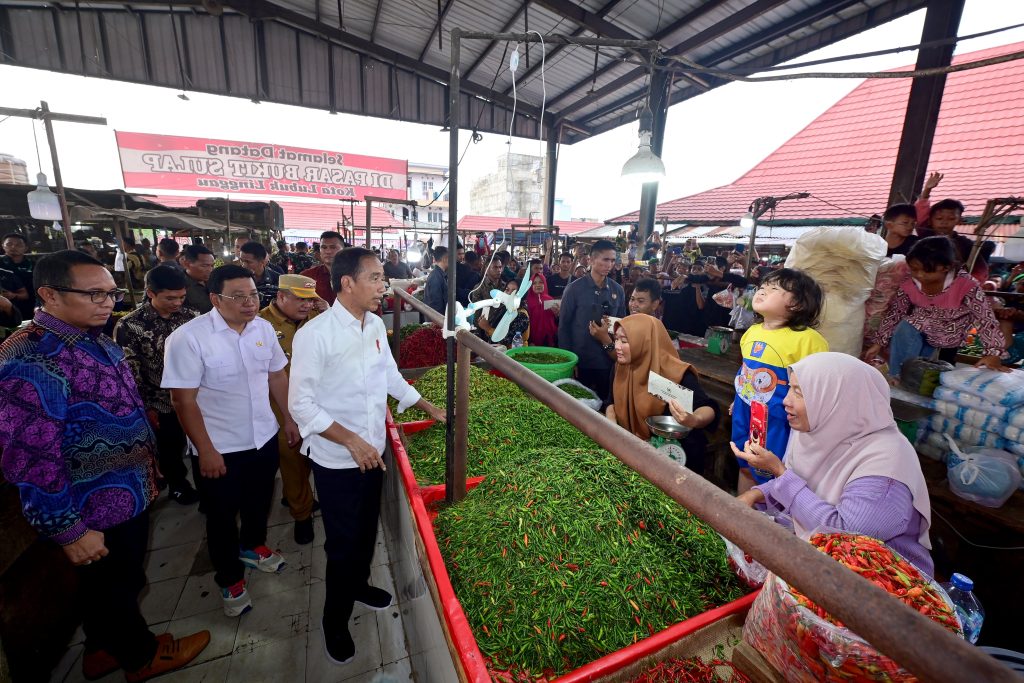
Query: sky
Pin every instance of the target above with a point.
(710, 140)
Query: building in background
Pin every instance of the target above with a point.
(515, 188)
(428, 187)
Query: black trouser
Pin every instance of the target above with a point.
(350, 504)
(598, 379)
(109, 593)
(170, 446)
(244, 491)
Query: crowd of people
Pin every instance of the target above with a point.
(278, 362)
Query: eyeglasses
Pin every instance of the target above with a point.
(96, 296)
(242, 298)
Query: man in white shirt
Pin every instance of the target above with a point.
(223, 368)
(341, 375)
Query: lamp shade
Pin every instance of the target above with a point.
(748, 221)
(42, 204)
(644, 166)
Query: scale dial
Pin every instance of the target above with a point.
(674, 451)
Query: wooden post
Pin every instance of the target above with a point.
(461, 424)
(48, 125)
(396, 324)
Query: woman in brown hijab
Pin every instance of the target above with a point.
(642, 346)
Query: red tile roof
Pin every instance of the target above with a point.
(303, 216)
(845, 157)
(493, 223)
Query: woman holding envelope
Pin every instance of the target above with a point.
(642, 347)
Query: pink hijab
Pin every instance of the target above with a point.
(543, 326)
(853, 433)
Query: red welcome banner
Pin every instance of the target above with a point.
(167, 162)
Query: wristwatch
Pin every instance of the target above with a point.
(610, 346)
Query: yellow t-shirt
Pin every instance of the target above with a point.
(782, 347)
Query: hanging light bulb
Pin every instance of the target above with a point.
(748, 221)
(43, 204)
(645, 165)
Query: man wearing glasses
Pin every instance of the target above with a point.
(77, 444)
(295, 303)
(223, 368)
(142, 334)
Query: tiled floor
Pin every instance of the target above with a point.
(280, 639)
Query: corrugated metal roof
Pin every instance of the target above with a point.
(383, 57)
(845, 157)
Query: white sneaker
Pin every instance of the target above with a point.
(236, 599)
(263, 558)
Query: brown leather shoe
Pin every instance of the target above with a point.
(171, 655)
(98, 663)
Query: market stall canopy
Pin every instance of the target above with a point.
(476, 224)
(392, 59)
(14, 199)
(150, 218)
(845, 157)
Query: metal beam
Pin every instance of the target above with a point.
(376, 20)
(263, 9)
(922, 115)
(550, 177)
(437, 27)
(794, 23)
(490, 46)
(588, 20)
(707, 35)
(649, 192)
(608, 6)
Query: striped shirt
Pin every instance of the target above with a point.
(879, 507)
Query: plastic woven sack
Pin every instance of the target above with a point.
(968, 400)
(964, 433)
(806, 648)
(844, 261)
(982, 479)
(981, 420)
(750, 571)
(593, 402)
(1002, 388)
(891, 274)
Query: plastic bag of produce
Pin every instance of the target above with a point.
(921, 375)
(725, 298)
(1010, 457)
(890, 275)
(750, 571)
(807, 645)
(983, 479)
(1002, 388)
(844, 261)
(583, 394)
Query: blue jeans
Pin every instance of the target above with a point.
(907, 343)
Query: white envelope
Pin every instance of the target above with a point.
(667, 390)
(551, 303)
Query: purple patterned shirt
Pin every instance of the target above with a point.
(879, 507)
(73, 430)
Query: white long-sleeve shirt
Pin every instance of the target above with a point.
(343, 371)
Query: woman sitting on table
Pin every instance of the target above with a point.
(847, 466)
(489, 318)
(642, 346)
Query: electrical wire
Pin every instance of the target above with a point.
(39, 159)
(836, 206)
(970, 542)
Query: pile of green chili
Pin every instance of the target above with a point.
(564, 555)
(575, 391)
(433, 384)
(499, 429)
(539, 358)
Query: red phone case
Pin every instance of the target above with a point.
(758, 423)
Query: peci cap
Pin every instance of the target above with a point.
(301, 286)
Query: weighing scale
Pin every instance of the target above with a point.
(718, 339)
(666, 434)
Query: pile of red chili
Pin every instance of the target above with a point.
(423, 348)
(691, 670)
(877, 563)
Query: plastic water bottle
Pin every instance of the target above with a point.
(967, 606)
(517, 340)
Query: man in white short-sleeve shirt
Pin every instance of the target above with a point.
(342, 373)
(223, 368)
